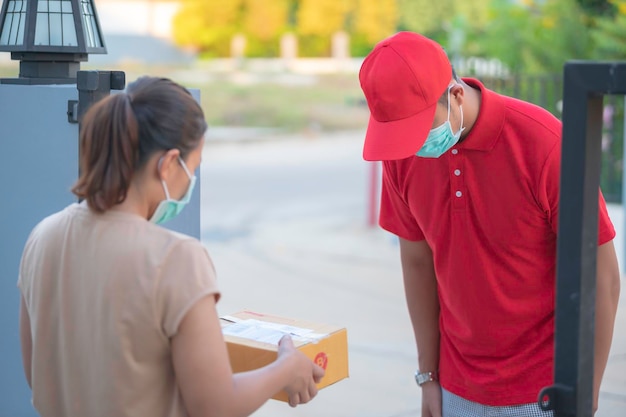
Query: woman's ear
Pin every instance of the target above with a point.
(166, 164)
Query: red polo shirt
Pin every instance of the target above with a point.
(488, 209)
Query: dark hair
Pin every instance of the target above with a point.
(443, 99)
(122, 131)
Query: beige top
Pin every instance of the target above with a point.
(105, 293)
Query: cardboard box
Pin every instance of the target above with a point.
(252, 341)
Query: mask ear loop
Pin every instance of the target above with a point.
(449, 88)
(182, 163)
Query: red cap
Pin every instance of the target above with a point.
(402, 78)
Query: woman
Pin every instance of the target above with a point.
(118, 315)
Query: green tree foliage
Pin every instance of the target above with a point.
(528, 35)
(263, 23)
(610, 34)
(207, 25)
(506, 33)
(317, 21)
(597, 7)
(559, 33)
(372, 21)
(427, 17)
(465, 31)
(452, 23)
(536, 37)
(475, 13)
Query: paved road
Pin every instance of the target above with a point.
(285, 223)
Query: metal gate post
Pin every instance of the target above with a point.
(584, 84)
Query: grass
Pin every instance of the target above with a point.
(328, 103)
(289, 102)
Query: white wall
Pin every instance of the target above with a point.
(137, 17)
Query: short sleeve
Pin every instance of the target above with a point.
(186, 276)
(395, 213)
(25, 274)
(548, 196)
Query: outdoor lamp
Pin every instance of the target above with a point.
(50, 38)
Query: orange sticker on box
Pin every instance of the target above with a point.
(321, 360)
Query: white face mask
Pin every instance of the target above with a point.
(169, 208)
(441, 138)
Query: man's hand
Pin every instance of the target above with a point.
(431, 399)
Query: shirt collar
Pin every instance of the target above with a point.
(488, 125)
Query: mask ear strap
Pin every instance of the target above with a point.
(167, 194)
(182, 163)
(449, 88)
(159, 167)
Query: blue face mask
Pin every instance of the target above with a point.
(441, 138)
(168, 208)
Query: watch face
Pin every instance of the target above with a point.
(424, 377)
(421, 378)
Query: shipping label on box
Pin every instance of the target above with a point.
(252, 341)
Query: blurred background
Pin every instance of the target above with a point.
(255, 60)
(288, 205)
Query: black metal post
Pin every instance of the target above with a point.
(93, 86)
(584, 84)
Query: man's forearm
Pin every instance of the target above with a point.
(607, 297)
(420, 286)
(424, 311)
(606, 309)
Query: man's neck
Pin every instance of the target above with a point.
(471, 108)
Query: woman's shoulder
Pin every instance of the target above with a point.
(173, 246)
(53, 222)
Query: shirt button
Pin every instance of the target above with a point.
(458, 194)
(457, 172)
(455, 151)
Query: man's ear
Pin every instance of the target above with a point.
(167, 163)
(458, 92)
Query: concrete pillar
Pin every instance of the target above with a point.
(238, 46)
(340, 45)
(289, 47)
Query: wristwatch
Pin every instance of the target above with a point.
(423, 377)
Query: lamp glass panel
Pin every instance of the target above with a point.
(4, 36)
(92, 35)
(84, 11)
(42, 33)
(42, 6)
(12, 28)
(21, 26)
(69, 31)
(54, 6)
(56, 29)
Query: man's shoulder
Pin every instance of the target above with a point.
(530, 117)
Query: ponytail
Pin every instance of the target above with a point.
(120, 133)
(109, 141)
